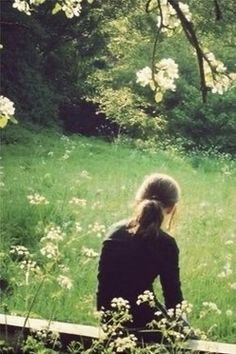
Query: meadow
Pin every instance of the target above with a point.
(67, 190)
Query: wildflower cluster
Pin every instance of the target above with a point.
(20, 251)
(227, 270)
(78, 201)
(122, 344)
(209, 307)
(173, 324)
(64, 281)
(25, 259)
(7, 111)
(29, 265)
(85, 174)
(113, 321)
(88, 252)
(215, 74)
(37, 199)
(120, 304)
(39, 340)
(53, 235)
(168, 20)
(97, 229)
(78, 227)
(161, 79)
(146, 297)
(96, 205)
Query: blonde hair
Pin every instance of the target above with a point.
(157, 192)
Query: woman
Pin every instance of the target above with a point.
(137, 251)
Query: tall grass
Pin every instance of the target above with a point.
(106, 176)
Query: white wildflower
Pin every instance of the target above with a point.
(146, 297)
(122, 344)
(53, 233)
(64, 281)
(97, 228)
(19, 250)
(78, 201)
(78, 227)
(37, 199)
(119, 303)
(29, 265)
(229, 242)
(50, 250)
(209, 307)
(229, 313)
(85, 174)
(232, 286)
(88, 252)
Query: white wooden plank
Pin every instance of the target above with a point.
(62, 327)
(95, 332)
(211, 347)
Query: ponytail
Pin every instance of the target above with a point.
(147, 219)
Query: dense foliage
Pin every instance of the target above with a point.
(49, 62)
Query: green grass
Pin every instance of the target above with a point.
(33, 162)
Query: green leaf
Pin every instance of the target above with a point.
(13, 120)
(56, 8)
(158, 96)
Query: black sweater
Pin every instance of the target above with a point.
(128, 266)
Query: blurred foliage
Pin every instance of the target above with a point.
(49, 60)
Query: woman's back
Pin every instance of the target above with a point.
(129, 264)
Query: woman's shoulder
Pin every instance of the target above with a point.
(167, 240)
(117, 229)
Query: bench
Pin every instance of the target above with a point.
(12, 325)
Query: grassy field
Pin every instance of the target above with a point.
(89, 184)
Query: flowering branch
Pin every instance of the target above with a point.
(192, 38)
(171, 15)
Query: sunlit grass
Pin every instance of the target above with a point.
(106, 175)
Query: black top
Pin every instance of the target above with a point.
(128, 266)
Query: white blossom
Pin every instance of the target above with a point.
(165, 73)
(78, 201)
(144, 76)
(122, 344)
(89, 252)
(78, 227)
(85, 174)
(7, 110)
(148, 297)
(119, 303)
(215, 73)
(37, 199)
(72, 8)
(22, 6)
(209, 307)
(50, 250)
(53, 233)
(64, 281)
(6, 106)
(169, 19)
(229, 313)
(19, 250)
(97, 228)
